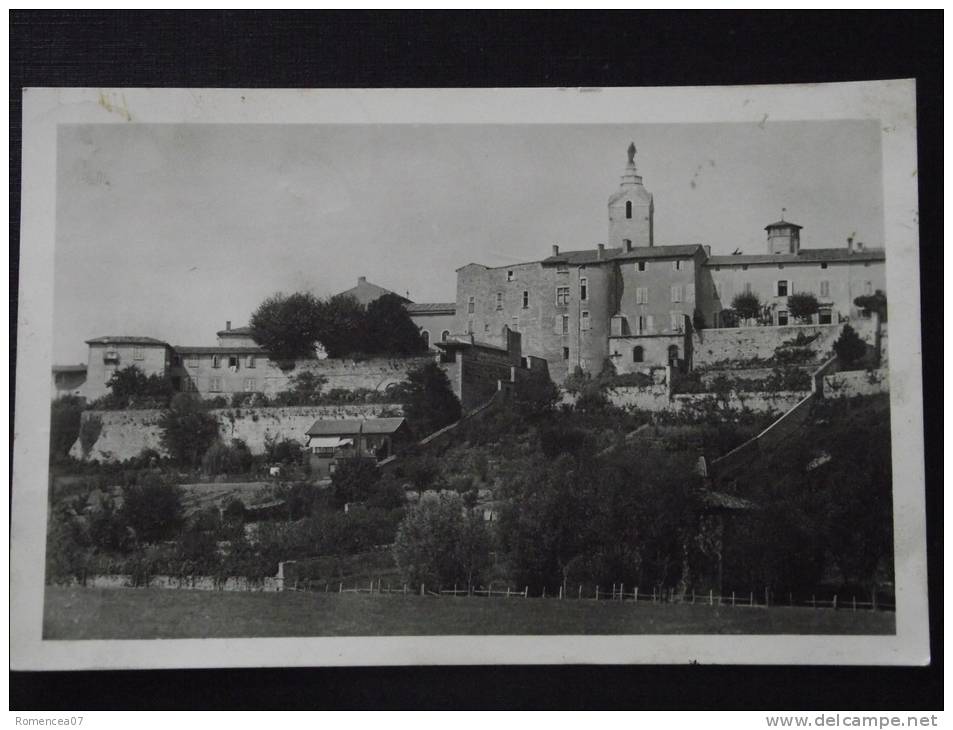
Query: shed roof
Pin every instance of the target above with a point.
(354, 426)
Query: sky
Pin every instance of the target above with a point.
(170, 230)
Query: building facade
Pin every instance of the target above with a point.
(636, 304)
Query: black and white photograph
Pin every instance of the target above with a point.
(618, 375)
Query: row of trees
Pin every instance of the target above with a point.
(803, 305)
(291, 326)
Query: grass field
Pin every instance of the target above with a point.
(91, 613)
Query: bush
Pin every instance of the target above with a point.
(89, 432)
(234, 511)
(354, 480)
(66, 415)
(187, 431)
(132, 387)
(802, 305)
(746, 305)
(849, 347)
(287, 451)
(153, 508)
(430, 402)
(231, 459)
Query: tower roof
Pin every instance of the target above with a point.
(782, 224)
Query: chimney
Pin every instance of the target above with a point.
(600, 252)
(850, 244)
(362, 280)
(555, 250)
(228, 325)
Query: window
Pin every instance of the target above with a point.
(650, 324)
(525, 300)
(137, 354)
(676, 320)
(515, 324)
(193, 360)
(640, 324)
(640, 265)
(638, 354)
(628, 209)
(250, 361)
(509, 275)
(825, 289)
(780, 266)
(469, 326)
(782, 288)
(471, 305)
(233, 361)
(824, 316)
(717, 268)
(562, 269)
(445, 335)
(190, 386)
(823, 264)
(499, 301)
(486, 327)
(868, 288)
(215, 385)
(584, 320)
(641, 295)
(564, 324)
(673, 354)
(676, 265)
(176, 361)
(250, 385)
(565, 353)
(584, 289)
(425, 336)
(676, 293)
(562, 295)
(782, 318)
(744, 267)
(215, 361)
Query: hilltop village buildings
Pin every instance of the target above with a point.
(629, 300)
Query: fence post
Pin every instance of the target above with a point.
(711, 597)
(732, 598)
(813, 601)
(405, 589)
(341, 587)
(636, 594)
(855, 603)
(371, 588)
(580, 591)
(560, 593)
(422, 591)
(790, 599)
(526, 592)
(835, 602)
(767, 597)
(544, 591)
(597, 593)
(751, 598)
(507, 591)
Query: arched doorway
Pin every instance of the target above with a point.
(638, 354)
(673, 354)
(426, 337)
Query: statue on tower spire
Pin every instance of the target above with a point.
(632, 151)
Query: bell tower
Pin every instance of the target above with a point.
(631, 210)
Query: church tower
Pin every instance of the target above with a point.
(631, 210)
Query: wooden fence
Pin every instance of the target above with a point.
(615, 592)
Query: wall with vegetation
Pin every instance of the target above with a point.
(856, 382)
(125, 434)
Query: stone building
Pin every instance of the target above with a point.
(329, 441)
(112, 353)
(636, 304)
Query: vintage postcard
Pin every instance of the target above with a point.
(469, 376)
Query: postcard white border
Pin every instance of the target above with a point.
(891, 102)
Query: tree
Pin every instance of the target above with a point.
(342, 326)
(130, 384)
(89, 431)
(849, 347)
(875, 303)
(440, 543)
(65, 416)
(430, 403)
(153, 508)
(535, 394)
(390, 328)
(288, 327)
(187, 431)
(107, 528)
(354, 480)
(802, 305)
(227, 459)
(746, 305)
(305, 390)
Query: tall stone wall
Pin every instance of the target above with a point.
(847, 384)
(656, 398)
(126, 433)
(714, 346)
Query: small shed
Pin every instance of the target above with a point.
(332, 440)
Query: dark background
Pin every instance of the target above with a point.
(491, 49)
